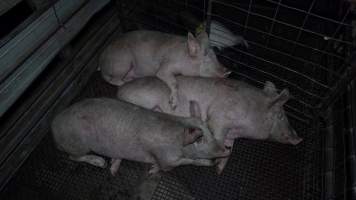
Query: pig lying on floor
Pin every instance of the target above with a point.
(121, 130)
(151, 53)
(232, 109)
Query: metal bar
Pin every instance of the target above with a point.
(208, 17)
(273, 22)
(333, 35)
(247, 17)
(304, 22)
(329, 161)
(350, 144)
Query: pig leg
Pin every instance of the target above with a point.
(115, 164)
(220, 134)
(221, 164)
(167, 76)
(203, 162)
(174, 157)
(186, 161)
(91, 159)
(223, 161)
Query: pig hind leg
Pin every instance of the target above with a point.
(154, 168)
(80, 153)
(91, 159)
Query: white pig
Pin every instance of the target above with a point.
(232, 109)
(121, 130)
(151, 53)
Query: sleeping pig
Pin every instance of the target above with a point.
(121, 130)
(232, 109)
(151, 53)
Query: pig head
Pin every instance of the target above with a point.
(280, 130)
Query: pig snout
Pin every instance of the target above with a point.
(291, 138)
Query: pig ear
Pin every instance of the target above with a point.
(203, 39)
(281, 98)
(157, 109)
(270, 88)
(194, 109)
(193, 45)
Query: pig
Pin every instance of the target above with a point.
(232, 109)
(152, 53)
(121, 130)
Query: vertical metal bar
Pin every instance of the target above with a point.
(204, 10)
(208, 17)
(329, 157)
(273, 22)
(247, 17)
(301, 28)
(333, 36)
(350, 175)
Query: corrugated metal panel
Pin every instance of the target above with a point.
(20, 79)
(20, 47)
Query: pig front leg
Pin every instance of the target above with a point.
(170, 157)
(91, 159)
(168, 76)
(220, 133)
(186, 161)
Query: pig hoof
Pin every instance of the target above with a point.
(219, 169)
(99, 162)
(113, 171)
(173, 102)
(115, 164)
(154, 169)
